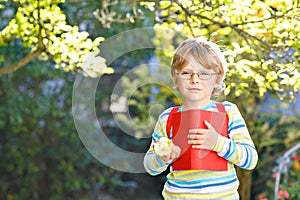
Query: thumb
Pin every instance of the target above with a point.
(208, 124)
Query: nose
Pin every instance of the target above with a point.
(195, 78)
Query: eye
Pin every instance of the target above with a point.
(205, 73)
(185, 73)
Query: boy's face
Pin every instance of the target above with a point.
(194, 88)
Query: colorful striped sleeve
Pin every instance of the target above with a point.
(153, 164)
(239, 148)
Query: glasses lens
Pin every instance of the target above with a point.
(188, 75)
(204, 75)
(185, 75)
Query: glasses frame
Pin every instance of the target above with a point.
(200, 76)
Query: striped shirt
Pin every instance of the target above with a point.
(238, 149)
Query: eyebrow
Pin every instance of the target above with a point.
(208, 71)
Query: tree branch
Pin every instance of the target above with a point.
(189, 25)
(233, 26)
(29, 57)
(21, 63)
(274, 16)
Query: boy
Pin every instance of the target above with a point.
(198, 70)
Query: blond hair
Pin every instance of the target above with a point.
(204, 52)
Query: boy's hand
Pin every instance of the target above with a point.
(203, 138)
(166, 149)
(175, 153)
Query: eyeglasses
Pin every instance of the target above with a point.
(201, 75)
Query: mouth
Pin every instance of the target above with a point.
(194, 89)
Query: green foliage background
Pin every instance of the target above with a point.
(42, 156)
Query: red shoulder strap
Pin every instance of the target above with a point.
(169, 121)
(220, 107)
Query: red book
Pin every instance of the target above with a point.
(197, 159)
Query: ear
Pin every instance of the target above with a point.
(219, 80)
(174, 79)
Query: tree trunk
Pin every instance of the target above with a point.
(245, 177)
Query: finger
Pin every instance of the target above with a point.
(209, 126)
(198, 130)
(196, 141)
(195, 130)
(196, 136)
(199, 146)
(175, 152)
(174, 149)
(178, 151)
(173, 155)
(166, 158)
